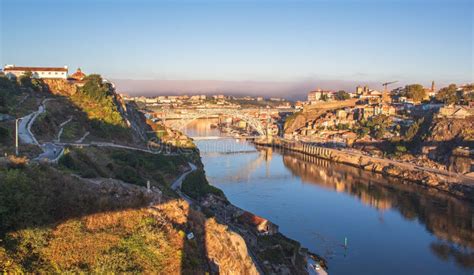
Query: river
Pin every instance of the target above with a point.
(391, 227)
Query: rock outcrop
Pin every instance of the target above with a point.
(60, 86)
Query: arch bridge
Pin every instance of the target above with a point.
(179, 121)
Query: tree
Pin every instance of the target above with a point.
(25, 79)
(342, 95)
(415, 92)
(411, 132)
(95, 87)
(449, 95)
(324, 97)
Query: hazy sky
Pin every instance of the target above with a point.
(245, 41)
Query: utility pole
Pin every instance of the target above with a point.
(16, 136)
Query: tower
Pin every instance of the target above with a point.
(433, 86)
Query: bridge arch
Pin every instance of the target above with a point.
(185, 119)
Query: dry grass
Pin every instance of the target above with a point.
(71, 246)
(120, 241)
(17, 162)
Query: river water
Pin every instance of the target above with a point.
(391, 227)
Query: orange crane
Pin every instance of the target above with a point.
(388, 83)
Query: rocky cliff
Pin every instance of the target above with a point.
(443, 140)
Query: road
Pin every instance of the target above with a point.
(24, 127)
(409, 166)
(51, 152)
(179, 181)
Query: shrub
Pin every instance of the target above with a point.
(4, 134)
(17, 162)
(196, 186)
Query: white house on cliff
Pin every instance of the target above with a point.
(37, 72)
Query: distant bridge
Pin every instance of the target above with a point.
(180, 120)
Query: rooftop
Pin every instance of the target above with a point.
(32, 69)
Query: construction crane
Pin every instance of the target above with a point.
(386, 84)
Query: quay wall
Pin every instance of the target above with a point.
(452, 183)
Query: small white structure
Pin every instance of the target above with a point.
(37, 72)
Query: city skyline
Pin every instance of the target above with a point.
(288, 48)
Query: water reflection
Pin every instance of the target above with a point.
(394, 227)
(446, 217)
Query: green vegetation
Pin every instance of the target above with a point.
(410, 133)
(5, 134)
(450, 95)
(342, 95)
(8, 89)
(52, 223)
(27, 81)
(416, 92)
(71, 131)
(376, 126)
(98, 101)
(196, 186)
(3, 103)
(129, 166)
(324, 97)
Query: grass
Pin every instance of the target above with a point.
(128, 242)
(72, 131)
(129, 166)
(51, 222)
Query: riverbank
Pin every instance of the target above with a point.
(271, 251)
(455, 184)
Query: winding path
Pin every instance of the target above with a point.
(176, 185)
(53, 150)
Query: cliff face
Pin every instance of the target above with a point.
(213, 248)
(60, 86)
(443, 139)
(299, 120)
(445, 130)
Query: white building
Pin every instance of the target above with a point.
(319, 95)
(37, 72)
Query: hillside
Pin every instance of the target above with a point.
(67, 224)
(91, 211)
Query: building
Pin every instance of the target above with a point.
(362, 90)
(315, 95)
(257, 224)
(318, 95)
(36, 72)
(78, 75)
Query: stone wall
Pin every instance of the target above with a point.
(440, 181)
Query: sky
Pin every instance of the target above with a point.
(268, 47)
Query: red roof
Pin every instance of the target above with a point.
(34, 69)
(251, 219)
(78, 75)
